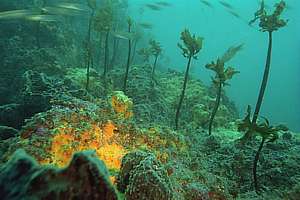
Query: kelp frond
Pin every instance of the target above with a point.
(263, 129)
(191, 44)
(271, 22)
(231, 52)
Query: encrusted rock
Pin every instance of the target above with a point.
(196, 191)
(143, 177)
(86, 177)
(129, 161)
(121, 104)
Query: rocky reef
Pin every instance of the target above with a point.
(70, 131)
(136, 149)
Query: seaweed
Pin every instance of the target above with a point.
(130, 23)
(190, 48)
(268, 23)
(222, 75)
(145, 53)
(103, 22)
(272, 22)
(138, 35)
(92, 6)
(156, 50)
(264, 130)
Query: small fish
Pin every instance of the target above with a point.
(16, 14)
(120, 36)
(154, 7)
(206, 3)
(54, 10)
(225, 4)
(123, 35)
(163, 3)
(235, 14)
(42, 18)
(146, 25)
(71, 6)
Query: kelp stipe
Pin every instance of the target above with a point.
(190, 48)
(92, 6)
(130, 23)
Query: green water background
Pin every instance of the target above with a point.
(221, 30)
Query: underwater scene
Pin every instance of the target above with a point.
(149, 99)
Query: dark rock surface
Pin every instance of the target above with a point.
(11, 115)
(36, 90)
(86, 177)
(7, 132)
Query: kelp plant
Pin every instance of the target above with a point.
(130, 23)
(190, 48)
(153, 50)
(145, 53)
(221, 78)
(92, 6)
(156, 51)
(103, 24)
(267, 133)
(268, 23)
(137, 36)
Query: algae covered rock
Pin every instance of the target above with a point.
(212, 143)
(121, 104)
(295, 193)
(142, 176)
(196, 191)
(200, 114)
(77, 78)
(52, 137)
(86, 177)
